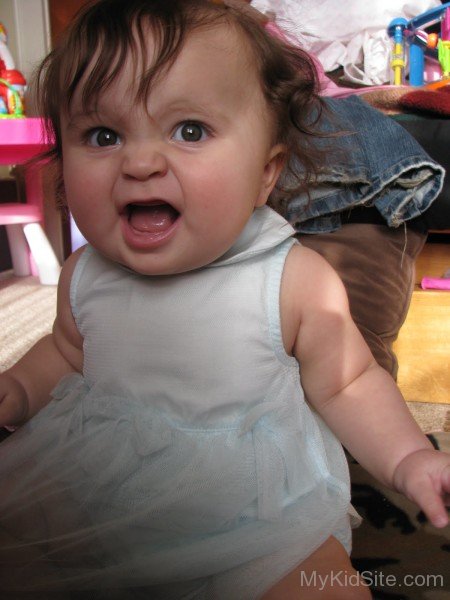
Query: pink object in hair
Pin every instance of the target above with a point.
(274, 30)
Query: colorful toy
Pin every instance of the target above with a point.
(12, 83)
(396, 29)
(421, 43)
(444, 57)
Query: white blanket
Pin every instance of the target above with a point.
(351, 34)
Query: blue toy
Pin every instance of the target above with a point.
(412, 31)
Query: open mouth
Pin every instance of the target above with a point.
(151, 218)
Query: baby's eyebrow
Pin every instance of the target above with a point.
(197, 107)
(80, 117)
(75, 117)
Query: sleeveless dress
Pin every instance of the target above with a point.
(184, 462)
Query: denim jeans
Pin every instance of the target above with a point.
(376, 163)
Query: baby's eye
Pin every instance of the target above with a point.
(190, 132)
(100, 136)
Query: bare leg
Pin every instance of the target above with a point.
(325, 575)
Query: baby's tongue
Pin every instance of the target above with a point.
(152, 218)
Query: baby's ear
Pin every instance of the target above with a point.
(272, 170)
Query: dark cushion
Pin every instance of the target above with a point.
(433, 134)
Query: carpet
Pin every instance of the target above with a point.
(398, 552)
(27, 311)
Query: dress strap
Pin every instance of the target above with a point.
(79, 268)
(273, 287)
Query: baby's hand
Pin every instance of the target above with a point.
(13, 401)
(424, 478)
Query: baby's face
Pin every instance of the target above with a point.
(168, 187)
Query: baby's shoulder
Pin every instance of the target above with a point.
(68, 269)
(69, 274)
(308, 268)
(311, 293)
(309, 284)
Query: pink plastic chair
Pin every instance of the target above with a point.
(31, 252)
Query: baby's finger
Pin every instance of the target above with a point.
(432, 505)
(446, 486)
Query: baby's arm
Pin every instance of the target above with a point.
(25, 387)
(356, 397)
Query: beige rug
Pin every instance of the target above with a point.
(27, 311)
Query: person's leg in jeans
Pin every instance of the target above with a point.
(376, 265)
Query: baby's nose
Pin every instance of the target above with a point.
(144, 160)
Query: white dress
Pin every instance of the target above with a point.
(184, 462)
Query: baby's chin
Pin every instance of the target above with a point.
(158, 270)
(161, 261)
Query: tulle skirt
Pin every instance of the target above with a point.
(105, 497)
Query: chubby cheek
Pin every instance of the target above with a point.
(219, 217)
(86, 193)
(80, 200)
(215, 211)
(76, 186)
(86, 210)
(219, 185)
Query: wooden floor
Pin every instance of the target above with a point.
(423, 346)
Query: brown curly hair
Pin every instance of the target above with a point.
(106, 31)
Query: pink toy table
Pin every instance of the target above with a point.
(31, 253)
